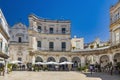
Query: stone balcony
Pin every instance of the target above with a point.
(91, 49)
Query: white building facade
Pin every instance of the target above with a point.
(4, 36)
(77, 43)
(49, 35)
(4, 41)
(50, 40)
(19, 43)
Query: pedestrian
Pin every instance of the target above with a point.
(91, 69)
(111, 70)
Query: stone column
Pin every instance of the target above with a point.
(45, 60)
(97, 59)
(6, 63)
(33, 59)
(69, 65)
(57, 59)
(114, 38)
(111, 58)
(82, 61)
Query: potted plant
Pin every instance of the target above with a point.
(9, 66)
(73, 48)
(91, 46)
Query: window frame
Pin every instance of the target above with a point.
(51, 30)
(63, 45)
(51, 45)
(63, 30)
(39, 44)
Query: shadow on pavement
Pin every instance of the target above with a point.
(103, 76)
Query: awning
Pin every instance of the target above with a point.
(16, 62)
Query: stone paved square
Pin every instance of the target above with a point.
(23, 75)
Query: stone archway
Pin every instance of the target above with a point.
(62, 59)
(51, 66)
(65, 66)
(104, 60)
(51, 59)
(76, 62)
(38, 59)
(117, 57)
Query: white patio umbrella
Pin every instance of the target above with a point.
(41, 63)
(16, 62)
(65, 62)
(3, 62)
(52, 63)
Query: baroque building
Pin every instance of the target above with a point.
(50, 35)
(44, 34)
(50, 40)
(19, 43)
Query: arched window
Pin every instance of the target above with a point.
(39, 29)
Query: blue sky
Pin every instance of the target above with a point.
(89, 18)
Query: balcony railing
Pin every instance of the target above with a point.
(48, 32)
(91, 49)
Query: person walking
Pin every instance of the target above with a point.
(111, 70)
(91, 69)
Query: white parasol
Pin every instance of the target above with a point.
(65, 62)
(16, 62)
(52, 63)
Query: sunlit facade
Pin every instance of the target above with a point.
(50, 40)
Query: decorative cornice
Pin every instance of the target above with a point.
(34, 17)
(81, 53)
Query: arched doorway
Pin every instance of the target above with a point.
(117, 61)
(117, 57)
(51, 67)
(63, 59)
(38, 59)
(51, 59)
(104, 60)
(64, 66)
(76, 62)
